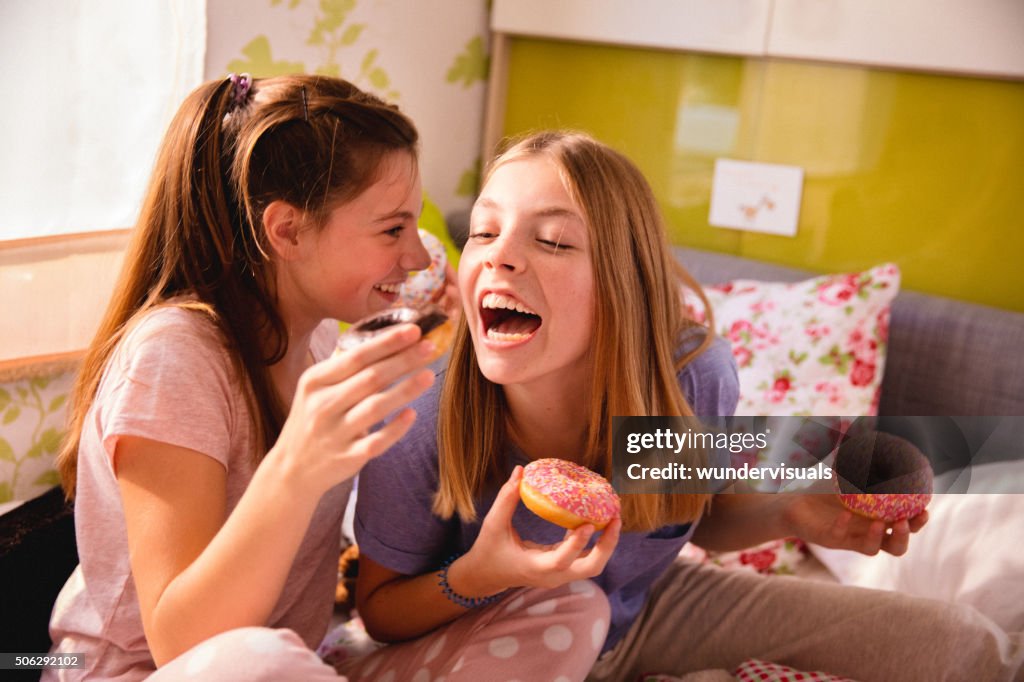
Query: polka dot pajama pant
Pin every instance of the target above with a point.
(530, 635)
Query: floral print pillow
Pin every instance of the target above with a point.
(815, 347)
(775, 557)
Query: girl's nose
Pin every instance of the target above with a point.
(415, 255)
(504, 254)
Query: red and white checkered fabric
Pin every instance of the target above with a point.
(754, 670)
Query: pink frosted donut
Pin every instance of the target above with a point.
(882, 476)
(889, 508)
(422, 286)
(568, 494)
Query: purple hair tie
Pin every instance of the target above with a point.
(241, 83)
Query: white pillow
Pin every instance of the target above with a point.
(968, 553)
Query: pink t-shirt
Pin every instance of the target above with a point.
(171, 380)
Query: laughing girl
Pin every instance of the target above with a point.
(573, 316)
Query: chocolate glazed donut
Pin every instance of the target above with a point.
(882, 476)
(431, 320)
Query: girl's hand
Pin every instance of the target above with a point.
(823, 520)
(326, 438)
(500, 559)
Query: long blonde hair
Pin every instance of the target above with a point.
(639, 321)
(312, 141)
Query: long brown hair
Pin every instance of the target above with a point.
(312, 141)
(639, 320)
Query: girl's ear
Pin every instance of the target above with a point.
(283, 222)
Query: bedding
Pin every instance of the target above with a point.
(752, 670)
(968, 553)
(777, 557)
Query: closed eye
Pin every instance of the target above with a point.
(555, 246)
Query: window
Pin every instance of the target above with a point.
(88, 88)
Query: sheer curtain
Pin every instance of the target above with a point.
(88, 89)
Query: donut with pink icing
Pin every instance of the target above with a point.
(422, 286)
(882, 476)
(568, 494)
(888, 508)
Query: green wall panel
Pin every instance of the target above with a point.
(923, 170)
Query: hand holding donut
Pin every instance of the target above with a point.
(326, 438)
(432, 321)
(823, 520)
(500, 559)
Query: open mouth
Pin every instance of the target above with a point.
(389, 290)
(506, 319)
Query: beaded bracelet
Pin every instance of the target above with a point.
(464, 602)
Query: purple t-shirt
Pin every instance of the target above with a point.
(395, 526)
